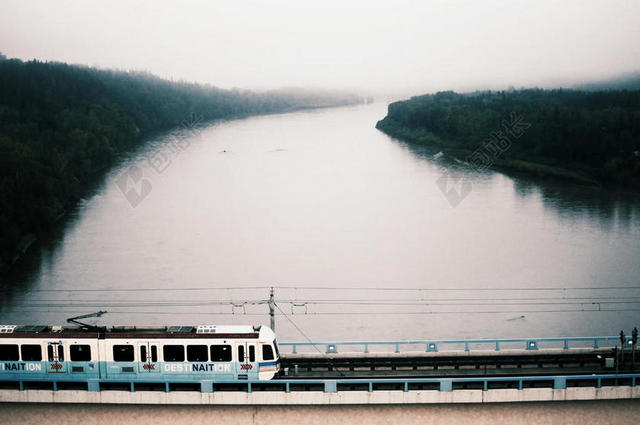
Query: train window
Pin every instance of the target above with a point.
(9, 352)
(252, 353)
(80, 353)
(267, 352)
(123, 353)
(221, 353)
(197, 353)
(51, 353)
(154, 353)
(31, 352)
(143, 353)
(241, 353)
(173, 353)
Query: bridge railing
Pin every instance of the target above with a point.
(453, 345)
(557, 382)
(447, 384)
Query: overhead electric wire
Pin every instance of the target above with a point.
(355, 288)
(111, 312)
(72, 303)
(148, 289)
(336, 288)
(459, 312)
(587, 303)
(526, 302)
(343, 313)
(329, 301)
(298, 329)
(299, 303)
(464, 299)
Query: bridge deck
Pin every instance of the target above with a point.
(419, 373)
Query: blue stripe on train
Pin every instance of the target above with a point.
(15, 370)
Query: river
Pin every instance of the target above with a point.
(351, 227)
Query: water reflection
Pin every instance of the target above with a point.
(616, 210)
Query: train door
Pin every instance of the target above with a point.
(247, 361)
(55, 357)
(148, 358)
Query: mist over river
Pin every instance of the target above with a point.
(349, 226)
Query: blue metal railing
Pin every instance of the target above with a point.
(463, 344)
(405, 384)
(446, 384)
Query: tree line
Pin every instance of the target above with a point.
(596, 134)
(63, 126)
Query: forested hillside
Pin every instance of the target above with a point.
(62, 126)
(593, 135)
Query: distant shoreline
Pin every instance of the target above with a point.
(532, 168)
(589, 138)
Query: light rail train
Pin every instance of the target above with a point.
(145, 354)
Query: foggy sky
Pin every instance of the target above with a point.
(376, 46)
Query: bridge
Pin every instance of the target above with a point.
(388, 372)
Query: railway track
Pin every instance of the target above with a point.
(449, 365)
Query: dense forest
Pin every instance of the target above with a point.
(585, 136)
(62, 126)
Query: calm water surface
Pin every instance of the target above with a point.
(315, 200)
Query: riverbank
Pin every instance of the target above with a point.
(29, 240)
(585, 137)
(533, 168)
(63, 126)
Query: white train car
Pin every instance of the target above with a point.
(138, 354)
